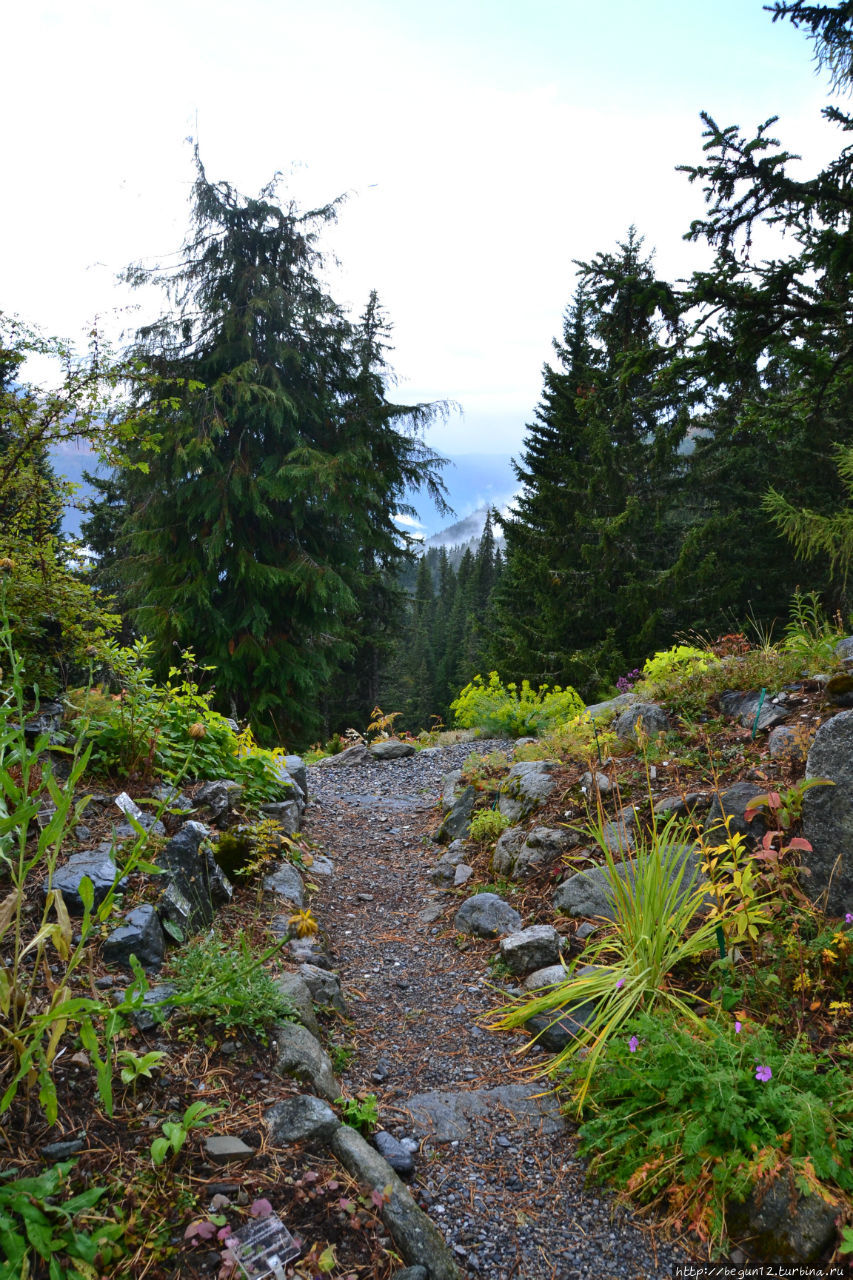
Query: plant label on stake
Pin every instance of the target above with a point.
(45, 813)
(124, 802)
(263, 1247)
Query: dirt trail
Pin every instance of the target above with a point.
(497, 1173)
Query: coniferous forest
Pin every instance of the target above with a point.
(687, 465)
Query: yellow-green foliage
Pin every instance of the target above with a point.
(513, 710)
(677, 661)
(583, 739)
(487, 825)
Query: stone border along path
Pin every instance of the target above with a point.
(495, 1167)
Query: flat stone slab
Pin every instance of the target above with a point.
(222, 1150)
(447, 1116)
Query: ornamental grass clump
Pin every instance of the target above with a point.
(659, 901)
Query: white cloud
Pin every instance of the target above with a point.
(408, 521)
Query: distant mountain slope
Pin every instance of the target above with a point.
(475, 481)
(463, 532)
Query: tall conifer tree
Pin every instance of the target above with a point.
(265, 524)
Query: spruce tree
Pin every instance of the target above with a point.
(590, 539)
(774, 355)
(264, 527)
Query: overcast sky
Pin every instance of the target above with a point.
(484, 144)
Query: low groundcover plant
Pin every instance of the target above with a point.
(694, 1117)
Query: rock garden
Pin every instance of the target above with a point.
(575, 1003)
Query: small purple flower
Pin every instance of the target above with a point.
(738, 1027)
(620, 984)
(848, 917)
(763, 1074)
(633, 1044)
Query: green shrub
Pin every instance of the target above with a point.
(228, 985)
(478, 769)
(696, 1115)
(169, 729)
(487, 825)
(513, 711)
(676, 661)
(810, 637)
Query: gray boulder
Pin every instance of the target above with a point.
(589, 893)
(286, 881)
(449, 783)
(555, 1030)
(140, 935)
(784, 743)
(156, 1006)
(487, 916)
(784, 1225)
(295, 990)
(353, 756)
(417, 1238)
(681, 806)
(844, 650)
(595, 782)
(743, 707)
(520, 854)
(299, 1054)
(458, 821)
(828, 815)
(839, 689)
(530, 948)
(172, 798)
(551, 976)
(97, 865)
(528, 785)
(400, 1159)
(507, 851)
(732, 804)
(391, 749)
(619, 833)
(219, 797)
(286, 814)
(444, 871)
(448, 1115)
(324, 986)
(304, 950)
(600, 710)
(653, 719)
(196, 885)
(301, 1119)
(298, 771)
(124, 830)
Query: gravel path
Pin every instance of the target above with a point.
(508, 1190)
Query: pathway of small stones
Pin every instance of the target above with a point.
(507, 1191)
